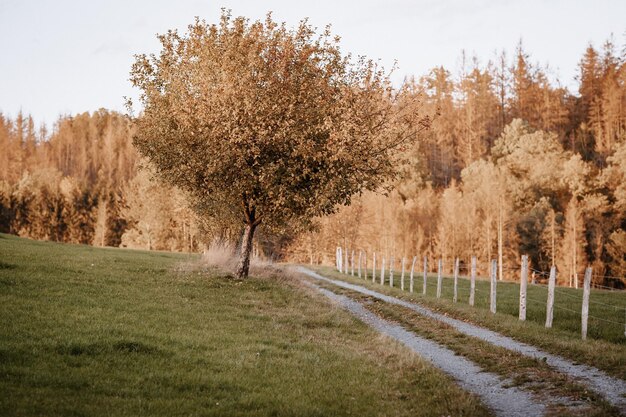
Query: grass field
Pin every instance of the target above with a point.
(606, 344)
(87, 332)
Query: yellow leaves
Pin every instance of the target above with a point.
(272, 112)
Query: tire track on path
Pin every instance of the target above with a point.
(612, 389)
(500, 398)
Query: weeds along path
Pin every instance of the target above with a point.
(612, 389)
(504, 400)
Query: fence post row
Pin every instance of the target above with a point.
(411, 278)
(343, 263)
(522, 288)
(456, 280)
(439, 278)
(550, 305)
(425, 274)
(492, 298)
(585, 309)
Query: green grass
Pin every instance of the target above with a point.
(606, 344)
(87, 332)
(531, 374)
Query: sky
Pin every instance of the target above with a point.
(65, 57)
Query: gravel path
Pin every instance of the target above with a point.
(503, 400)
(613, 389)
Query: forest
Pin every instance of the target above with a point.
(513, 163)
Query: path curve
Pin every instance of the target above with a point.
(613, 389)
(502, 399)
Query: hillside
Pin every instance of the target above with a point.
(87, 331)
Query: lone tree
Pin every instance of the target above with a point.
(266, 124)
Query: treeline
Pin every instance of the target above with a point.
(513, 164)
(80, 183)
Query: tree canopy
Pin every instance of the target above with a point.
(268, 124)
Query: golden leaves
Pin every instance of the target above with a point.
(275, 114)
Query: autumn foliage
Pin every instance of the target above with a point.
(514, 163)
(267, 126)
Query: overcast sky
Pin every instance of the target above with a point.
(70, 56)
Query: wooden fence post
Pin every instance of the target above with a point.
(494, 276)
(472, 281)
(402, 276)
(550, 305)
(365, 265)
(439, 277)
(352, 264)
(340, 259)
(456, 280)
(382, 273)
(374, 268)
(585, 311)
(391, 272)
(523, 284)
(425, 274)
(411, 278)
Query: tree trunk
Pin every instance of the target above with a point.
(243, 266)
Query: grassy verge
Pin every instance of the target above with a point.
(87, 331)
(608, 355)
(554, 387)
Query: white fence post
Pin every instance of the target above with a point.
(585, 310)
(523, 284)
(365, 265)
(352, 263)
(402, 276)
(382, 273)
(340, 259)
(411, 277)
(347, 265)
(439, 278)
(391, 272)
(456, 280)
(360, 259)
(374, 268)
(425, 274)
(472, 281)
(494, 275)
(550, 305)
